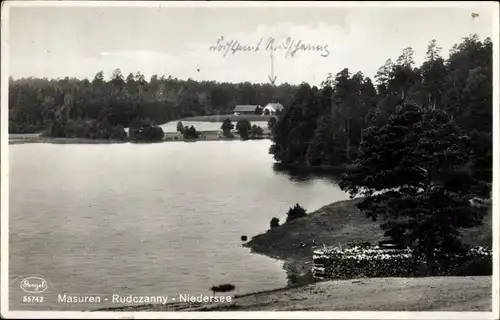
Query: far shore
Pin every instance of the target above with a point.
(206, 135)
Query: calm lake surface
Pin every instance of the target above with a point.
(147, 219)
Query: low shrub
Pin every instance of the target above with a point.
(190, 133)
(256, 132)
(295, 212)
(222, 288)
(359, 262)
(118, 133)
(275, 222)
(228, 134)
(145, 130)
(244, 127)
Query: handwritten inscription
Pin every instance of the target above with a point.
(290, 46)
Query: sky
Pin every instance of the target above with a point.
(60, 41)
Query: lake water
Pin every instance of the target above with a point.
(147, 219)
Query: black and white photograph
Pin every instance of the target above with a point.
(249, 159)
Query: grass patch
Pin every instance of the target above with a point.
(339, 223)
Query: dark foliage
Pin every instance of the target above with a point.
(223, 288)
(180, 127)
(410, 173)
(295, 212)
(275, 222)
(90, 129)
(226, 128)
(34, 103)
(190, 133)
(394, 264)
(144, 130)
(256, 132)
(324, 126)
(271, 122)
(243, 127)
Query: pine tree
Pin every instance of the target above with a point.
(410, 173)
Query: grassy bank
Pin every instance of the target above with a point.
(334, 224)
(374, 294)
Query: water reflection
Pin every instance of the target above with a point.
(307, 175)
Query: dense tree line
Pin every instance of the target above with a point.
(396, 173)
(413, 141)
(35, 104)
(323, 126)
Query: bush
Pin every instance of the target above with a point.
(271, 122)
(243, 127)
(145, 130)
(227, 125)
(275, 222)
(356, 262)
(295, 213)
(222, 288)
(180, 127)
(256, 132)
(228, 134)
(118, 133)
(479, 266)
(190, 133)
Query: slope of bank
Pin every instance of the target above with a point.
(374, 294)
(339, 223)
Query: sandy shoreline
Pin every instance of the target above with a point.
(374, 294)
(365, 294)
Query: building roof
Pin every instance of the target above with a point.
(275, 106)
(245, 108)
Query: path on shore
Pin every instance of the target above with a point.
(368, 294)
(376, 294)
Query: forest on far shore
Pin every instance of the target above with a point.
(325, 126)
(320, 126)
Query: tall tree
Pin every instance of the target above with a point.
(409, 172)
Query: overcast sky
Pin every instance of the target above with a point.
(79, 41)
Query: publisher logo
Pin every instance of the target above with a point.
(34, 285)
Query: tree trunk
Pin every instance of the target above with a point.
(348, 138)
(430, 262)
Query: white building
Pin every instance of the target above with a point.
(272, 108)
